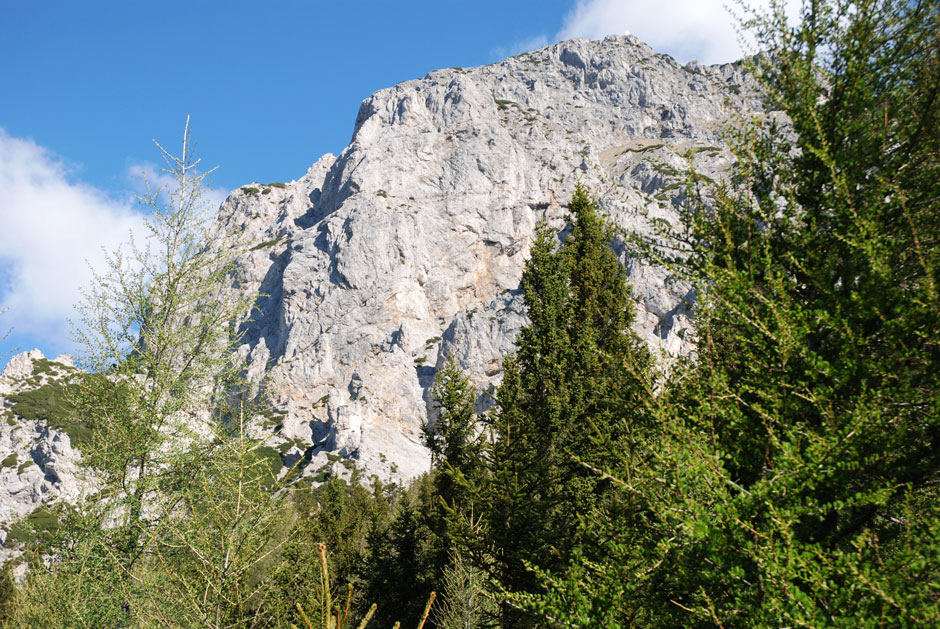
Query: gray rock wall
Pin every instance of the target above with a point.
(409, 246)
(37, 463)
(411, 243)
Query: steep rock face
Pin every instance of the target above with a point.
(411, 243)
(37, 463)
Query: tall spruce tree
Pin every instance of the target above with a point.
(454, 439)
(577, 367)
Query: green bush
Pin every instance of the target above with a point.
(268, 243)
(38, 526)
(53, 404)
(504, 105)
(271, 458)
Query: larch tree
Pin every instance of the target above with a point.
(183, 511)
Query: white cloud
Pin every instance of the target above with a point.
(53, 228)
(49, 227)
(685, 29)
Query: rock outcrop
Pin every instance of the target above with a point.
(410, 244)
(37, 462)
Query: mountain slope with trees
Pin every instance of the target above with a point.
(784, 474)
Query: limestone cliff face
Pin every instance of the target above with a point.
(37, 463)
(411, 243)
(410, 246)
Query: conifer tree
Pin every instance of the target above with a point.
(159, 332)
(577, 367)
(454, 439)
(796, 481)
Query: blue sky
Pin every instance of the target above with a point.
(270, 87)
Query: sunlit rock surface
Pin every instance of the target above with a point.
(410, 244)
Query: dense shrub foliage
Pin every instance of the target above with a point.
(794, 480)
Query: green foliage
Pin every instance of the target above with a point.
(10, 461)
(36, 528)
(453, 439)
(822, 288)
(292, 443)
(53, 403)
(78, 593)
(8, 597)
(795, 480)
(205, 559)
(663, 169)
(559, 411)
(406, 555)
(380, 546)
(235, 551)
(184, 514)
(272, 462)
(268, 243)
(46, 367)
(213, 551)
(465, 603)
(644, 148)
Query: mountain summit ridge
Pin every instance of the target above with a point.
(410, 243)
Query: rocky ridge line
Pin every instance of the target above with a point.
(410, 244)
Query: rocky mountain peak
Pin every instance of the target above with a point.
(38, 463)
(32, 369)
(410, 244)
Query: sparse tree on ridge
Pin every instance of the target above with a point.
(3, 337)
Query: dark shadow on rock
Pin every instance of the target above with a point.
(266, 309)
